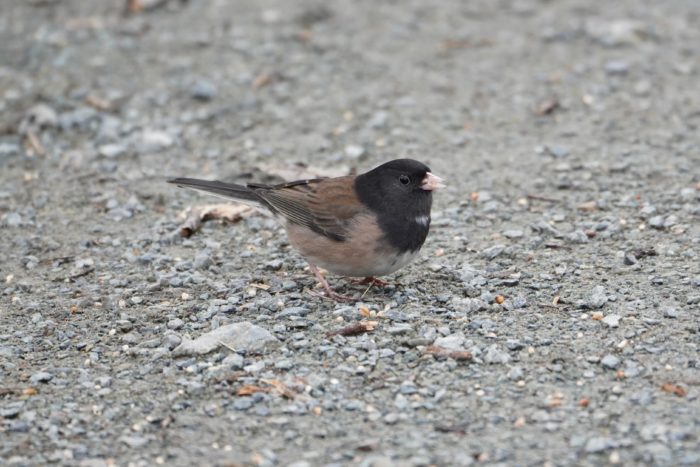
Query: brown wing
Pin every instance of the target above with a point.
(326, 206)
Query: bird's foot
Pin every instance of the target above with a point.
(372, 281)
(329, 293)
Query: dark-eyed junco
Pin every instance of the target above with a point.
(360, 226)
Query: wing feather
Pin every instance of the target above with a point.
(326, 206)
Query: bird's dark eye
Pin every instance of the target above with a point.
(404, 179)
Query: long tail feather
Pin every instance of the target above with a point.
(225, 190)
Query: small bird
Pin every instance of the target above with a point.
(359, 226)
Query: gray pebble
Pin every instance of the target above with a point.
(577, 237)
(391, 418)
(176, 323)
(274, 265)
(617, 67)
(558, 151)
(494, 355)
(284, 364)
(204, 90)
(516, 373)
(612, 321)
(243, 403)
(454, 341)
(657, 222)
(597, 298)
(514, 344)
(12, 409)
(354, 151)
(378, 120)
(111, 150)
(293, 311)
(171, 340)
(611, 362)
(399, 328)
(202, 261)
(254, 368)
(599, 444)
(670, 312)
(41, 377)
(233, 361)
(18, 426)
(134, 441)
(493, 251)
(12, 219)
(630, 259)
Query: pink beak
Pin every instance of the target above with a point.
(431, 182)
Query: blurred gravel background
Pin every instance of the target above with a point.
(551, 320)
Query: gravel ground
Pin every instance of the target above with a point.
(552, 318)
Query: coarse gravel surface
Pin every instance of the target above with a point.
(552, 318)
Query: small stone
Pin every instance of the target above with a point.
(493, 251)
(657, 222)
(647, 210)
(243, 335)
(37, 118)
(513, 234)
(399, 328)
(519, 302)
(670, 221)
(612, 321)
(293, 311)
(516, 373)
(630, 259)
(599, 444)
(597, 298)
(204, 90)
(284, 365)
(454, 341)
(111, 150)
(9, 149)
(400, 402)
(618, 32)
(557, 151)
(41, 377)
(202, 261)
(233, 361)
(617, 67)
(171, 340)
(134, 441)
(18, 426)
(578, 237)
(611, 362)
(494, 355)
(378, 120)
(12, 219)
(12, 409)
(391, 418)
(514, 344)
(254, 368)
(154, 141)
(243, 403)
(354, 151)
(670, 312)
(176, 323)
(274, 265)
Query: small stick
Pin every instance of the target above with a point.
(354, 329)
(541, 198)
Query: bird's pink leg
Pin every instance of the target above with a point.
(371, 281)
(330, 293)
